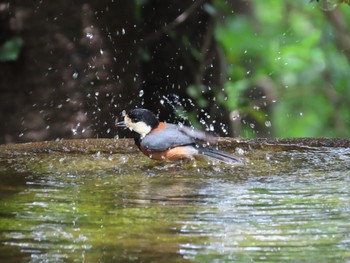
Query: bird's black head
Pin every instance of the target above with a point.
(141, 121)
(143, 115)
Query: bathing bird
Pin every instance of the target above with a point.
(171, 142)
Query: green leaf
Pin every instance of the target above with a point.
(11, 49)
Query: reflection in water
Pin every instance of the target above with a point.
(280, 206)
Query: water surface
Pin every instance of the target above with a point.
(282, 205)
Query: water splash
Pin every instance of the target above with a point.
(89, 35)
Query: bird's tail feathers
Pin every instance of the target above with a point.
(220, 156)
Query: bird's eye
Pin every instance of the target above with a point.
(135, 119)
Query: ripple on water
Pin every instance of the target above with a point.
(291, 206)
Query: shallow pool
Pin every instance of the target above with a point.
(284, 204)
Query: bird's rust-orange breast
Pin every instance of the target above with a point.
(173, 154)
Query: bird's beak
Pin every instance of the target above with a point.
(120, 124)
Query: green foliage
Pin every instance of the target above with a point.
(295, 45)
(11, 49)
(331, 3)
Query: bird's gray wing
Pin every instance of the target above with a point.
(198, 135)
(166, 139)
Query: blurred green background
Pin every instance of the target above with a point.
(303, 49)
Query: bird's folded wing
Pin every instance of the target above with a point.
(198, 134)
(166, 139)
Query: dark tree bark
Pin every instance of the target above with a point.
(71, 79)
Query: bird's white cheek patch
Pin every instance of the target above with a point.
(140, 127)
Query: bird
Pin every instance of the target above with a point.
(171, 142)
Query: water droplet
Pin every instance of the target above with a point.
(256, 107)
(75, 129)
(252, 125)
(300, 113)
(97, 155)
(89, 35)
(101, 51)
(75, 75)
(240, 151)
(268, 123)
(141, 93)
(123, 31)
